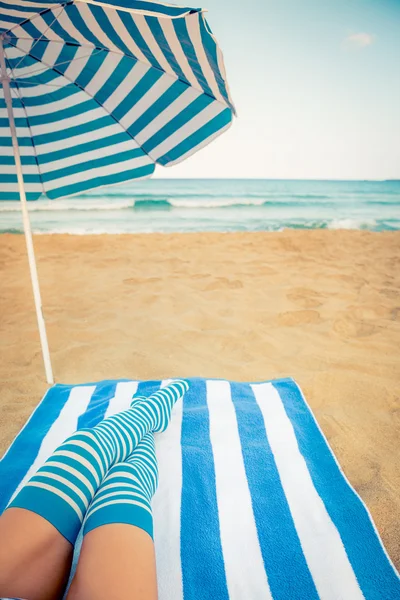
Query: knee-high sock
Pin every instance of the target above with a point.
(64, 486)
(126, 492)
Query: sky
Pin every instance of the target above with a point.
(316, 84)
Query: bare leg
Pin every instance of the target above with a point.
(117, 561)
(35, 559)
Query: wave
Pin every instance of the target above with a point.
(123, 192)
(151, 202)
(230, 202)
(134, 227)
(188, 194)
(65, 205)
(138, 204)
(148, 203)
(352, 224)
(367, 224)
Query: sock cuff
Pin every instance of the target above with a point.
(51, 507)
(124, 512)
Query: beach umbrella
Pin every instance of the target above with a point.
(97, 93)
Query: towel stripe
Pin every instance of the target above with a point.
(199, 510)
(124, 392)
(245, 573)
(344, 506)
(23, 451)
(97, 406)
(323, 549)
(65, 425)
(167, 522)
(279, 541)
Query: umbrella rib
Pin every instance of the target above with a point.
(78, 45)
(101, 106)
(35, 84)
(38, 14)
(29, 127)
(104, 48)
(46, 68)
(36, 40)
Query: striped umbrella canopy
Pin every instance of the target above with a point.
(97, 93)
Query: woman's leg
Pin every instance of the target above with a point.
(117, 561)
(64, 486)
(35, 559)
(33, 551)
(48, 513)
(117, 557)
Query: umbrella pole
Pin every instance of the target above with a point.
(5, 80)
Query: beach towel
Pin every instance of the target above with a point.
(251, 504)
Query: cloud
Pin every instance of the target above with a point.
(359, 40)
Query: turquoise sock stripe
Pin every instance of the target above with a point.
(125, 430)
(164, 400)
(126, 492)
(64, 486)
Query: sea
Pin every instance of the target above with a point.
(224, 205)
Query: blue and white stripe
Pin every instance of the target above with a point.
(251, 502)
(127, 490)
(103, 91)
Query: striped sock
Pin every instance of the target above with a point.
(64, 486)
(126, 492)
(164, 401)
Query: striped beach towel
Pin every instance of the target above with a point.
(251, 504)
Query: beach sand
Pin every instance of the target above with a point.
(320, 306)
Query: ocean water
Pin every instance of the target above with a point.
(182, 205)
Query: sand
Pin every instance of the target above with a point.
(321, 306)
